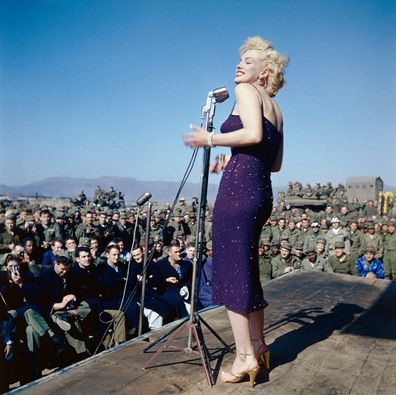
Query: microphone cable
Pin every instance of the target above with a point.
(125, 302)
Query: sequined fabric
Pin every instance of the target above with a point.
(243, 205)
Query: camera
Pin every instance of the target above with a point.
(72, 305)
(14, 269)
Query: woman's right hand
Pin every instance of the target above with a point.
(220, 164)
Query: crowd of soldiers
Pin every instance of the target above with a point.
(348, 237)
(71, 277)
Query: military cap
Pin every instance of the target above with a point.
(273, 218)
(310, 250)
(261, 244)
(286, 246)
(299, 245)
(369, 225)
(321, 240)
(84, 241)
(391, 223)
(339, 244)
(275, 243)
(20, 221)
(123, 215)
(59, 214)
(370, 249)
(266, 242)
(29, 218)
(334, 220)
(315, 224)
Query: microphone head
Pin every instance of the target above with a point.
(143, 198)
(220, 94)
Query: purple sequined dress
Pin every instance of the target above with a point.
(243, 205)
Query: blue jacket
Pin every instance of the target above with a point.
(376, 267)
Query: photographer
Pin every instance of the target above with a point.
(60, 302)
(19, 290)
(7, 329)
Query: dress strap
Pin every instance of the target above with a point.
(261, 99)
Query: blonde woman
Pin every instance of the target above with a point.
(254, 131)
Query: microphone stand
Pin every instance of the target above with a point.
(145, 264)
(193, 322)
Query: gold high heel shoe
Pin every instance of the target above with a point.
(237, 378)
(263, 356)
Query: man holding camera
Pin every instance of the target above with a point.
(61, 303)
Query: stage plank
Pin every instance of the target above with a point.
(328, 334)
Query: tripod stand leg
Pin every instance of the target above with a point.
(203, 352)
(215, 334)
(164, 336)
(167, 343)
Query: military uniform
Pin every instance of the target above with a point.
(375, 241)
(390, 256)
(265, 267)
(320, 265)
(311, 239)
(332, 237)
(343, 265)
(7, 238)
(358, 244)
(293, 236)
(44, 234)
(279, 264)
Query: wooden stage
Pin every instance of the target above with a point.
(327, 333)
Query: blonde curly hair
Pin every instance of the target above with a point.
(272, 61)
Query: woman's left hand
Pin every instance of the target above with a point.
(197, 138)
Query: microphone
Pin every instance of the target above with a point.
(143, 199)
(220, 94)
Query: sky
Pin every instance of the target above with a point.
(92, 88)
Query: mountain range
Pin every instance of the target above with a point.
(70, 187)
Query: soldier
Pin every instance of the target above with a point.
(71, 246)
(341, 262)
(48, 258)
(139, 235)
(266, 232)
(313, 262)
(8, 237)
(337, 233)
(264, 264)
(192, 225)
(45, 233)
(374, 240)
(357, 239)
(345, 215)
(368, 266)
(370, 210)
(181, 207)
(315, 234)
(103, 231)
(306, 230)
(285, 262)
(87, 227)
(59, 225)
(292, 233)
(175, 229)
(120, 229)
(299, 250)
(275, 232)
(390, 252)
